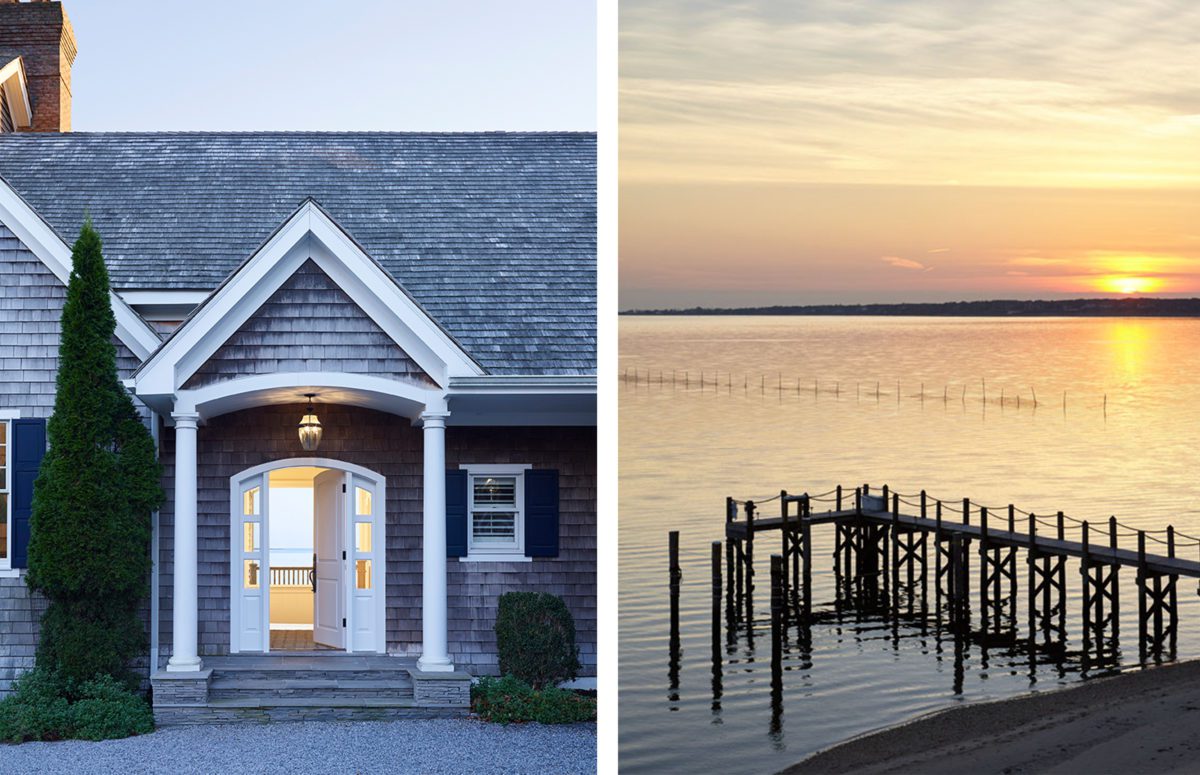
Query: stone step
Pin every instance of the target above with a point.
(362, 689)
(312, 702)
(232, 712)
(288, 674)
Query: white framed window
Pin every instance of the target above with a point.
(5, 494)
(496, 512)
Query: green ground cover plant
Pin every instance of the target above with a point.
(510, 700)
(44, 706)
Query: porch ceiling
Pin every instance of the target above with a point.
(214, 403)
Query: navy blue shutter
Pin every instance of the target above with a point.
(456, 513)
(541, 513)
(27, 445)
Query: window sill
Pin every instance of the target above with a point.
(6, 573)
(495, 558)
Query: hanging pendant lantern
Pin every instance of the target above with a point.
(310, 427)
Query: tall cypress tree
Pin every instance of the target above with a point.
(89, 548)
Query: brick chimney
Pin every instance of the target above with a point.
(41, 34)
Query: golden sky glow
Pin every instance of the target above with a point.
(779, 152)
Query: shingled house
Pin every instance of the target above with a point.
(369, 363)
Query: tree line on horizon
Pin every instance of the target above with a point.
(1105, 307)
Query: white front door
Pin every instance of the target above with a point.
(329, 542)
(251, 566)
(367, 612)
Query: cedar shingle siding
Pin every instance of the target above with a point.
(309, 324)
(391, 446)
(31, 300)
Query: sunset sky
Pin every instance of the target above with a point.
(776, 152)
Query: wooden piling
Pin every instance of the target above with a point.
(715, 639)
(1115, 600)
(1141, 583)
(777, 599)
(675, 579)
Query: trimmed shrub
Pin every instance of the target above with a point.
(44, 706)
(535, 638)
(106, 710)
(89, 546)
(510, 700)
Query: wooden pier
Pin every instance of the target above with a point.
(882, 553)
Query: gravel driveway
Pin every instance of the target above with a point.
(411, 746)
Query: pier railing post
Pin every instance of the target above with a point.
(896, 551)
(1085, 570)
(1141, 583)
(987, 574)
(937, 559)
(785, 539)
(1012, 567)
(1031, 559)
(749, 560)
(1171, 584)
(1114, 583)
(807, 548)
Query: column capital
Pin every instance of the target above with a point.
(434, 419)
(185, 419)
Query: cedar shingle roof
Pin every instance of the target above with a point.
(493, 233)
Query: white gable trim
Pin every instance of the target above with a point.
(308, 234)
(12, 80)
(36, 235)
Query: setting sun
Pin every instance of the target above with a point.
(1129, 285)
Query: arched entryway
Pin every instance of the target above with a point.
(339, 592)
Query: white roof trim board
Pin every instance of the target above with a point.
(50, 248)
(308, 234)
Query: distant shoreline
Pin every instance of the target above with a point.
(1132, 307)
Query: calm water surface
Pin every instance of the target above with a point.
(682, 450)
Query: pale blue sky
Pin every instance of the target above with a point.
(303, 64)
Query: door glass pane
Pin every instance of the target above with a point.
(250, 502)
(362, 574)
(362, 537)
(250, 538)
(250, 574)
(362, 501)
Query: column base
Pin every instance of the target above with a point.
(184, 665)
(435, 665)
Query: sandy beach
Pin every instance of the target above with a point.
(1144, 721)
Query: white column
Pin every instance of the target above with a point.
(435, 657)
(184, 639)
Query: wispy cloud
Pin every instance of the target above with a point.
(905, 263)
(924, 92)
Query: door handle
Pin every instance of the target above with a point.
(312, 574)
